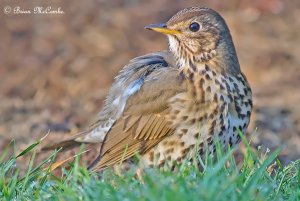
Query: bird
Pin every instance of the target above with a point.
(167, 105)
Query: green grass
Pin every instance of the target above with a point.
(224, 179)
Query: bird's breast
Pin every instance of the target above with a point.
(212, 106)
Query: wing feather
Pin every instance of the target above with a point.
(120, 144)
(144, 119)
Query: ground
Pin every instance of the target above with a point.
(56, 69)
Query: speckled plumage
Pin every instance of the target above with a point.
(163, 104)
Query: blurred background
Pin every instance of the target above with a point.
(56, 69)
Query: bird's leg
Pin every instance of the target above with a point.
(117, 170)
(138, 174)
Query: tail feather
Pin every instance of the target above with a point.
(65, 145)
(68, 143)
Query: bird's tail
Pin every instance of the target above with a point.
(68, 143)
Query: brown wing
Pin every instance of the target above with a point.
(144, 123)
(144, 134)
(136, 72)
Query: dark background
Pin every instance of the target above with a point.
(55, 70)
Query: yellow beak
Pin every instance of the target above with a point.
(162, 28)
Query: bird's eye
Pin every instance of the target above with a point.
(194, 27)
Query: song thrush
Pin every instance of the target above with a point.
(163, 104)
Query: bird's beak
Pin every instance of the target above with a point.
(162, 28)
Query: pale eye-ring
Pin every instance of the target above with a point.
(194, 26)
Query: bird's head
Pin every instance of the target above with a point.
(197, 35)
